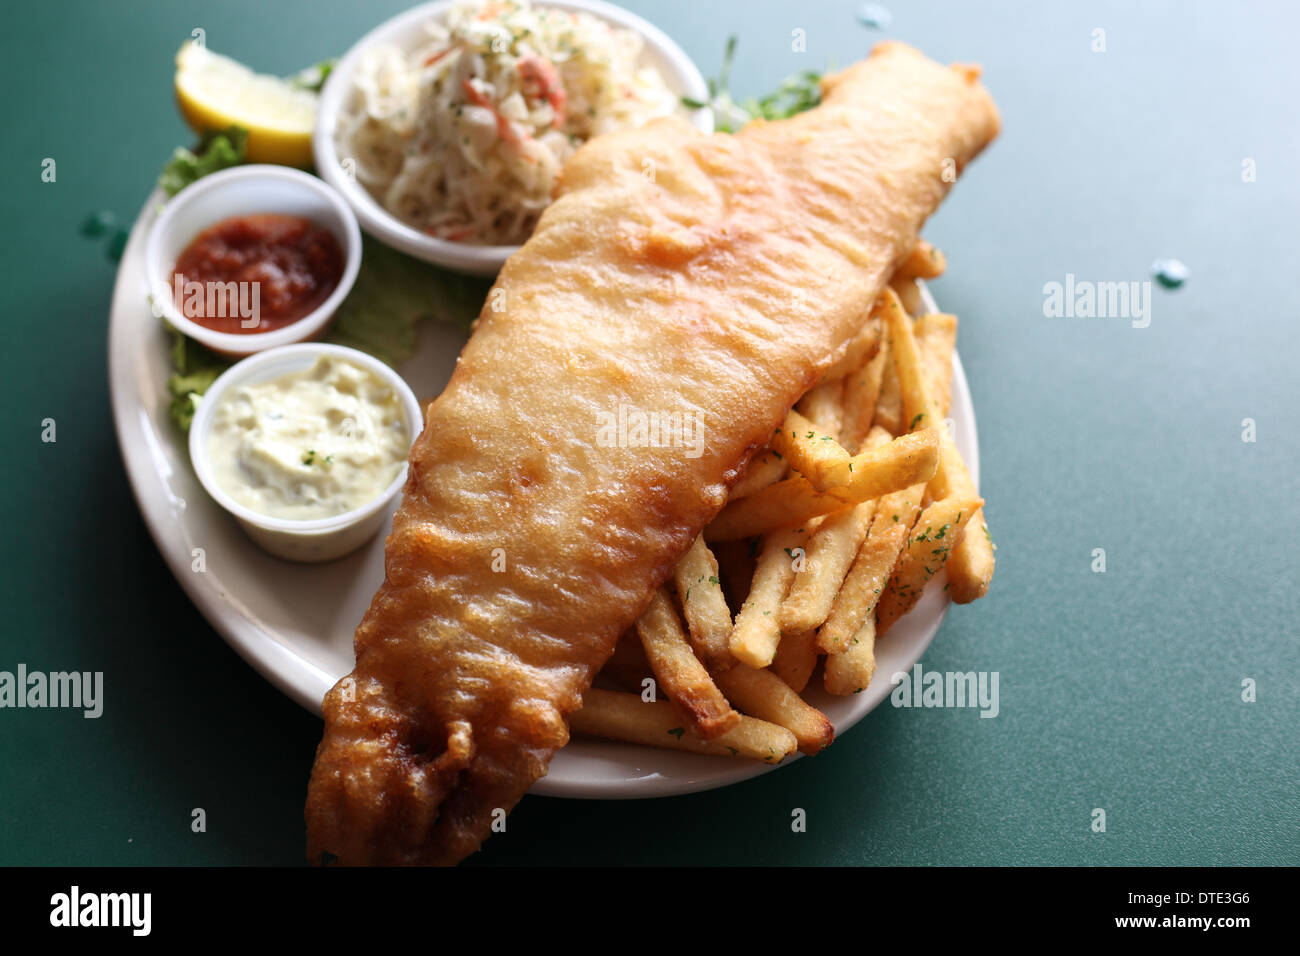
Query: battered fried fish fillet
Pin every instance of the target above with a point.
(707, 277)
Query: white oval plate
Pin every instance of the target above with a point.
(294, 623)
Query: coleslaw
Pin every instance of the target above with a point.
(462, 137)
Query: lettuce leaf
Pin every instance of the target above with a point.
(392, 294)
(217, 150)
(194, 369)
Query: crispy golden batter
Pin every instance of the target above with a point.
(709, 277)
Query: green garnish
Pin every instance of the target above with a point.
(797, 93)
(195, 369)
(313, 77)
(393, 292)
(678, 732)
(217, 150)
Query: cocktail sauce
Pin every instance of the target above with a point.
(256, 273)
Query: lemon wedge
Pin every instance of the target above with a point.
(215, 92)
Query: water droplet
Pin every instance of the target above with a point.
(1170, 273)
(873, 16)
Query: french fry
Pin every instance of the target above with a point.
(936, 338)
(901, 463)
(837, 473)
(909, 293)
(970, 569)
(856, 601)
(796, 656)
(765, 468)
(824, 406)
(889, 404)
(679, 672)
(927, 551)
(708, 620)
(861, 389)
(861, 347)
(830, 550)
(809, 450)
(762, 694)
(923, 262)
(618, 716)
(971, 566)
(830, 554)
(850, 671)
(756, 633)
(918, 407)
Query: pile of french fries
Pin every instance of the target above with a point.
(829, 537)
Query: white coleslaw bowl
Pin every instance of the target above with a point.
(318, 539)
(405, 32)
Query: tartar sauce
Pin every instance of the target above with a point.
(310, 444)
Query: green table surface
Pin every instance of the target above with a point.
(1119, 690)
